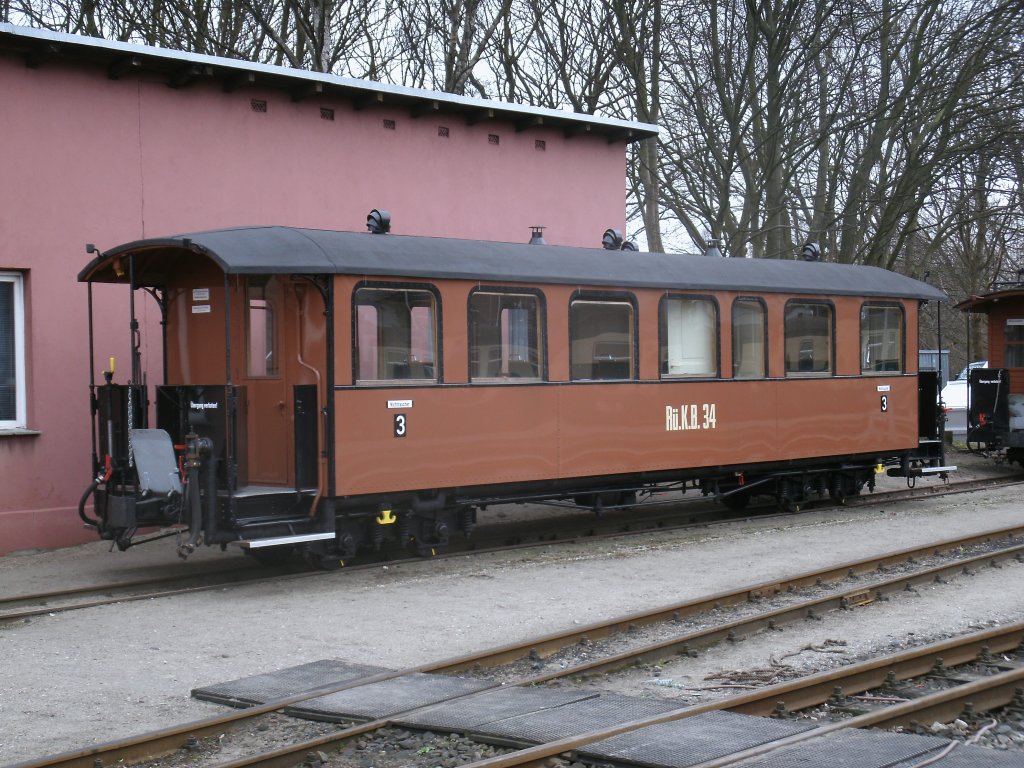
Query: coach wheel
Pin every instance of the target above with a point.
(736, 501)
(837, 490)
(789, 506)
(347, 546)
(791, 495)
(272, 555)
(323, 561)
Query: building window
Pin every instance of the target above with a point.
(808, 338)
(395, 335)
(601, 340)
(881, 338)
(504, 336)
(1014, 344)
(263, 301)
(12, 351)
(749, 339)
(689, 337)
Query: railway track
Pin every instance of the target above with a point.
(978, 693)
(500, 537)
(507, 664)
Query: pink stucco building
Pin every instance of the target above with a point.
(105, 143)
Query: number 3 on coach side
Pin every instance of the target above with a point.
(400, 425)
(885, 403)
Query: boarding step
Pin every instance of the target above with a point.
(280, 541)
(937, 470)
(250, 491)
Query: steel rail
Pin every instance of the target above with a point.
(809, 609)
(168, 740)
(811, 691)
(554, 642)
(242, 577)
(212, 579)
(11, 601)
(123, 592)
(992, 692)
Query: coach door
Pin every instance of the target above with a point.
(285, 354)
(269, 447)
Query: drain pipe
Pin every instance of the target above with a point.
(321, 463)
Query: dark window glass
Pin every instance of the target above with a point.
(8, 359)
(601, 340)
(504, 336)
(396, 335)
(881, 338)
(263, 301)
(808, 339)
(1014, 344)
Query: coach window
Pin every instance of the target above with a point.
(808, 338)
(263, 294)
(1014, 340)
(601, 339)
(12, 352)
(749, 339)
(689, 336)
(881, 338)
(395, 334)
(504, 336)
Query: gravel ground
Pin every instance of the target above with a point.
(72, 680)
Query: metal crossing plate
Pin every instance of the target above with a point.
(259, 689)
(470, 715)
(574, 718)
(693, 740)
(385, 698)
(853, 749)
(964, 756)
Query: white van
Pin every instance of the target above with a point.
(954, 400)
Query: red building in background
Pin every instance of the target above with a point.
(106, 142)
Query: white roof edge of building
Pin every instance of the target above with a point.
(354, 84)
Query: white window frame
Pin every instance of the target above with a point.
(19, 420)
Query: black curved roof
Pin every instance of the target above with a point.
(270, 250)
(987, 302)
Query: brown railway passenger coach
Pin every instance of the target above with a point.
(330, 391)
(995, 394)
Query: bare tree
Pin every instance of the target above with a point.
(446, 41)
(740, 107)
(860, 124)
